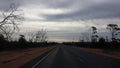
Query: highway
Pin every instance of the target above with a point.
(68, 57)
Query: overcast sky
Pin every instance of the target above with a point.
(66, 20)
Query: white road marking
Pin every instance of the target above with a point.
(41, 60)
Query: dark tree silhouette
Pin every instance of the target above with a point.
(22, 38)
(101, 40)
(22, 41)
(113, 29)
(94, 35)
(2, 41)
(2, 38)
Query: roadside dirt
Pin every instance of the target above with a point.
(112, 54)
(14, 59)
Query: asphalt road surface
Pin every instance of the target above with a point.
(69, 57)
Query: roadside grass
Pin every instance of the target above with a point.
(113, 53)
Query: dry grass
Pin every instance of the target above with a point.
(109, 53)
(14, 59)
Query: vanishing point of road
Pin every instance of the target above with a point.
(68, 57)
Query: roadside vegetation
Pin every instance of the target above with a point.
(11, 20)
(9, 25)
(101, 45)
(100, 42)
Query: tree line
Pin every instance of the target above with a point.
(11, 20)
(101, 42)
(114, 30)
(9, 25)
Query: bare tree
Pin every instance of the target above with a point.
(31, 37)
(38, 36)
(8, 33)
(114, 30)
(41, 36)
(9, 23)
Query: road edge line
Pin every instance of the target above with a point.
(42, 59)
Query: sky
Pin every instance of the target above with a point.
(66, 20)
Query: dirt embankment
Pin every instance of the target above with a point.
(14, 59)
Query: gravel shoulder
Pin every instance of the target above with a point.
(16, 58)
(107, 52)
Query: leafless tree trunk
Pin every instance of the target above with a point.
(41, 36)
(9, 23)
(31, 37)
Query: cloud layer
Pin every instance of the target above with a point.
(66, 18)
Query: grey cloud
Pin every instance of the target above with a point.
(5, 4)
(51, 3)
(105, 10)
(108, 8)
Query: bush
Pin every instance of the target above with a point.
(22, 41)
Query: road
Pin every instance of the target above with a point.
(69, 57)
